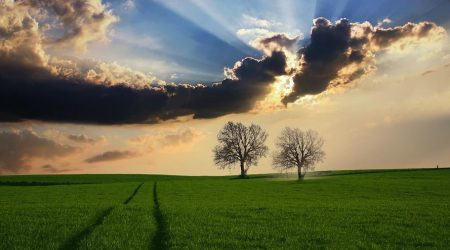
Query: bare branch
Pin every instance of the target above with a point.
(240, 144)
(298, 149)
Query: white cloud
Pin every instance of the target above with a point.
(258, 22)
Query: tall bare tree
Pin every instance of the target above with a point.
(298, 149)
(240, 144)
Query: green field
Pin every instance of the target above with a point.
(342, 209)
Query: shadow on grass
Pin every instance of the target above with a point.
(75, 241)
(133, 194)
(160, 240)
(251, 177)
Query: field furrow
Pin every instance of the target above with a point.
(130, 225)
(160, 239)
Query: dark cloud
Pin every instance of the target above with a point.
(17, 148)
(276, 42)
(384, 37)
(38, 95)
(111, 156)
(280, 39)
(351, 46)
(36, 86)
(77, 101)
(248, 82)
(323, 57)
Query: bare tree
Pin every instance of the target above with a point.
(298, 149)
(240, 144)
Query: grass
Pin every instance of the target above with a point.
(48, 217)
(345, 209)
(130, 225)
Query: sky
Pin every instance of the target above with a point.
(144, 86)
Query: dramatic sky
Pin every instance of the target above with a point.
(144, 86)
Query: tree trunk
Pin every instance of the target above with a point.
(299, 171)
(243, 170)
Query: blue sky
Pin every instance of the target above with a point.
(193, 40)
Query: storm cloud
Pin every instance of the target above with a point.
(342, 52)
(37, 86)
(76, 101)
(247, 82)
(39, 95)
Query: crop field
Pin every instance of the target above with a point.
(341, 209)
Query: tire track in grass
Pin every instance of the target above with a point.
(75, 241)
(160, 239)
(133, 194)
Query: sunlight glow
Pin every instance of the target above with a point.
(281, 87)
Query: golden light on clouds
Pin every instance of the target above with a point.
(272, 102)
(351, 81)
